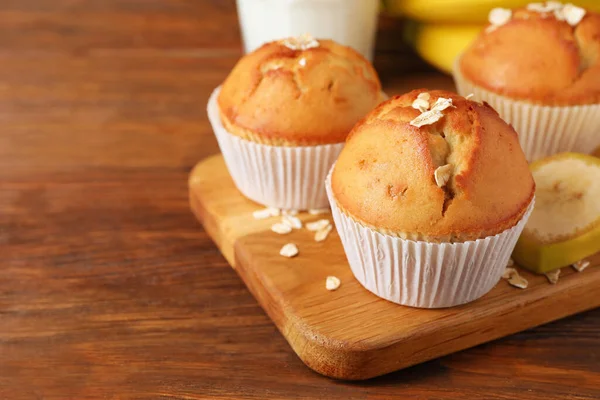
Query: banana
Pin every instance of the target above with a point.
(565, 224)
(440, 44)
(461, 11)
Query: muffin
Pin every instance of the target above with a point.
(540, 68)
(283, 113)
(429, 196)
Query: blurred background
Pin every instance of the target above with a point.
(101, 75)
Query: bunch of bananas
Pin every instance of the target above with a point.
(439, 30)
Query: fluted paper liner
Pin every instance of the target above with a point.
(543, 130)
(287, 177)
(422, 274)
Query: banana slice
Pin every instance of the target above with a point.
(565, 224)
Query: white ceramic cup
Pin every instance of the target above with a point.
(349, 22)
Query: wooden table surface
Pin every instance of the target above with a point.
(109, 288)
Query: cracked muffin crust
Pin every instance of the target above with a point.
(461, 178)
(537, 58)
(287, 95)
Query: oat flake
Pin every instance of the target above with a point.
(317, 211)
(427, 118)
(322, 234)
(559, 15)
(508, 273)
(266, 213)
(289, 250)
(441, 104)
(573, 14)
(442, 174)
(281, 228)
(554, 5)
(318, 225)
(424, 96)
(513, 278)
(542, 8)
(332, 283)
(499, 16)
(518, 281)
(579, 266)
(553, 276)
(293, 222)
(420, 104)
(303, 42)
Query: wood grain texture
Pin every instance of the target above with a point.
(350, 333)
(110, 289)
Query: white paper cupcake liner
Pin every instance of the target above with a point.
(276, 176)
(422, 274)
(543, 130)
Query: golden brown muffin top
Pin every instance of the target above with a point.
(548, 57)
(390, 175)
(298, 92)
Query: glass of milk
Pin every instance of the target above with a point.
(349, 22)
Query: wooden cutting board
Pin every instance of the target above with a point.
(350, 333)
